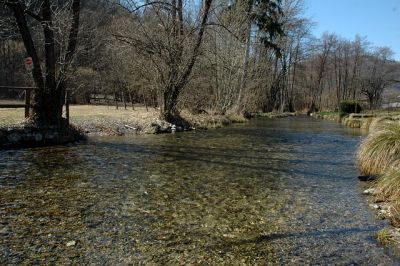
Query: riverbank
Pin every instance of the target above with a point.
(378, 160)
(379, 156)
(99, 120)
(362, 120)
(102, 120)
(107, 120)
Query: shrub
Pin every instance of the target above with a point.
(349, 107)
(379, 150)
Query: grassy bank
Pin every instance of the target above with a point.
(107, 120)
(380, 149)
(379, 155)
(365, 120)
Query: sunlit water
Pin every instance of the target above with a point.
(270, 192)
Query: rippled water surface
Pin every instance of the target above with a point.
(269, 192)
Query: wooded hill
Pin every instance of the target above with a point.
(215, 55)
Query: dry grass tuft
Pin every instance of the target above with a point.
(366, 124)
(395, 214)
(237, 118)
(380, 123)
(384, 236)
(387, 187)
(352, 122)
(379, 150)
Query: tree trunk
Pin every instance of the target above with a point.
(47, 110)
(242, 83)
(170, 100)
(177, 82)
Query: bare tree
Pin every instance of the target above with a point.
(171, 43)
(51, 76)
(376, 76)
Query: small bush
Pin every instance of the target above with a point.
(349, 107)
(379, 150)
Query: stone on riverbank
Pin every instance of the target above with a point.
(369, 191)
(29, 135)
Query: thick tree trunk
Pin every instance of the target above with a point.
(47, 110)
(170, 111)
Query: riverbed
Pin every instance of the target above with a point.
(272, 191)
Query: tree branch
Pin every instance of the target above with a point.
(73, 34)
(144, 5)
(33, 15)
(184, 79)
(224, 27)
(20, 18)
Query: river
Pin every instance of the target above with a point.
(280, 191)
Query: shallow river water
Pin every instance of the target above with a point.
(265, 193)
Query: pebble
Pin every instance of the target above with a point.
(375, 206)
(71, 243)
(369, 191)
(4, 231)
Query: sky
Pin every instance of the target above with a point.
(378, 20)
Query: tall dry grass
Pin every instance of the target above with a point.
(387, 187)
(380, 149)
(380, 123)
(367, 123)
(395, 213)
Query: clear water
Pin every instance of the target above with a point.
(269, 192)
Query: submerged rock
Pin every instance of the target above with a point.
(367, 177)
(38, 136)
(14, 137)
(375, 206)
(30, 135)
(150, 130)
(71, 243)
(159, 126)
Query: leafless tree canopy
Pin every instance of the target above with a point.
(215, 55)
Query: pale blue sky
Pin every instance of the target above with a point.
(378, 20)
